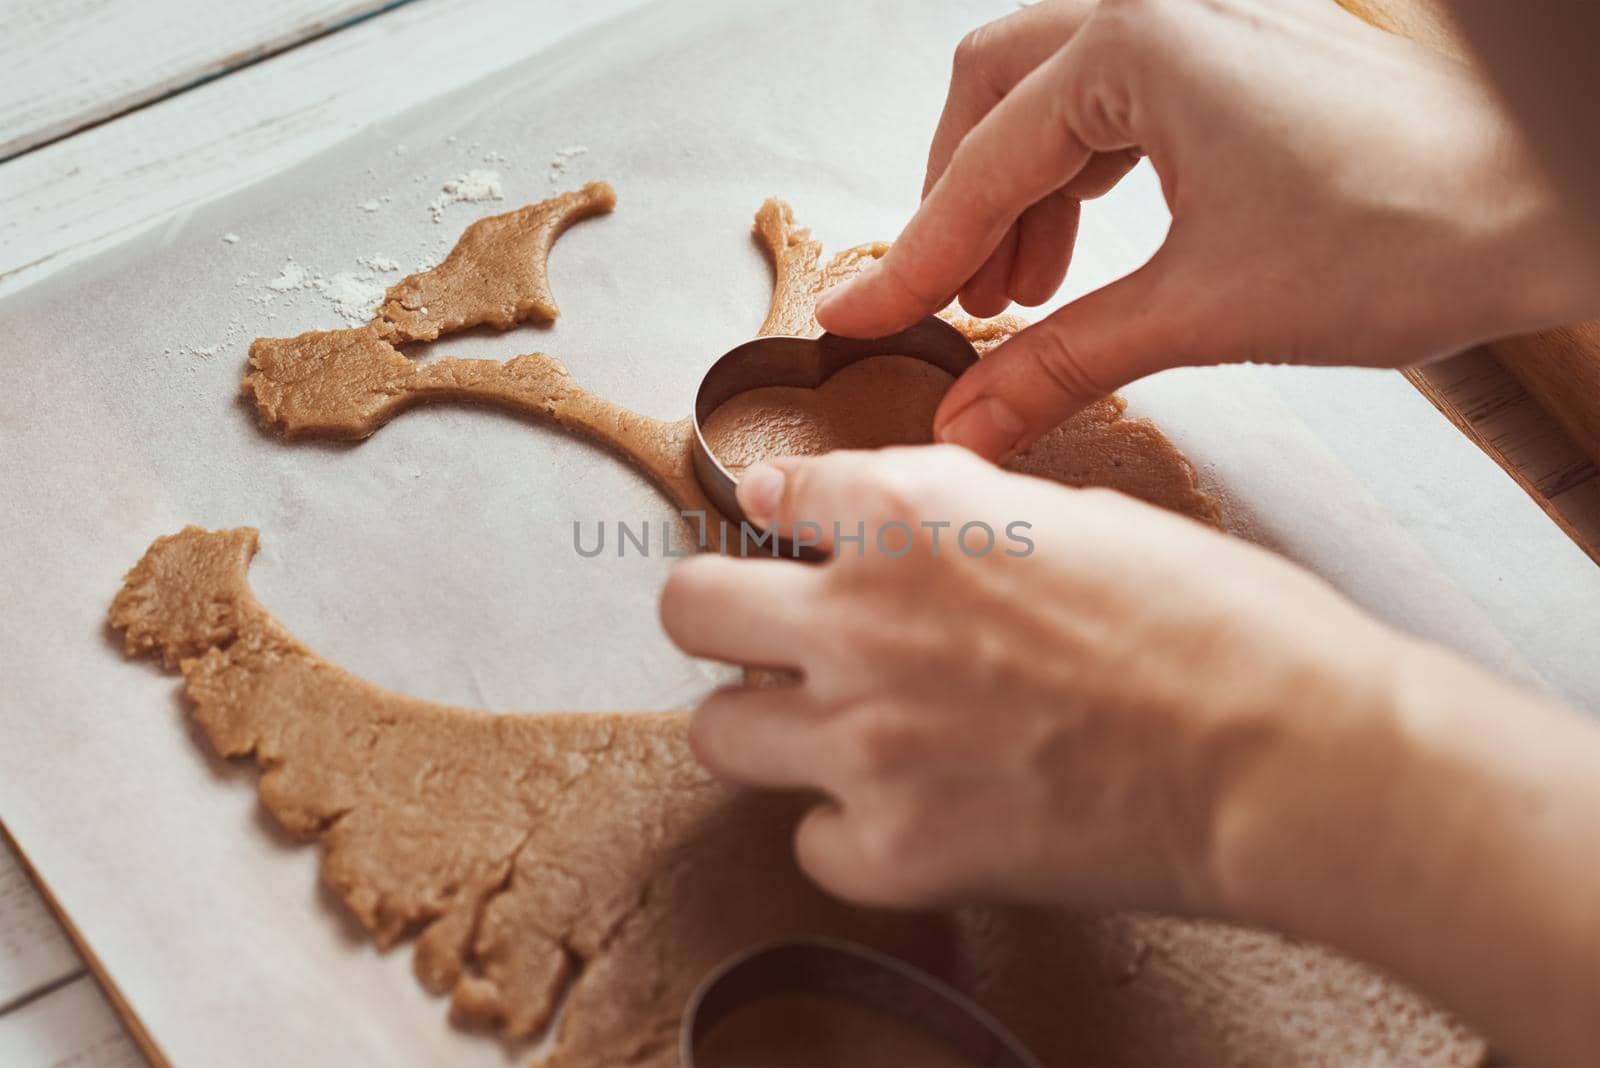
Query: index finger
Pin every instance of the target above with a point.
(989, 63)
(1021, 151)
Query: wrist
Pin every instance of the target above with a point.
(1299, 808)
(1448, 832)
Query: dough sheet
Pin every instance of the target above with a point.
(584, 860)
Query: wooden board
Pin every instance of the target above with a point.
(76, 195)
(1491, 408)
(70, 199)
(1561, 368)
(34, 954)
(84, 1021)
(70, 63)
(72, 1027)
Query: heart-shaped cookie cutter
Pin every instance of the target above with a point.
(857, 975)
(805, 362)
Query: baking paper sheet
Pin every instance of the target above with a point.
(436, 558)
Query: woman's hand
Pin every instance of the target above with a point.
(1061, 717)
(1339, 195)
(1140, 712)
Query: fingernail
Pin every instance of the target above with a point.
(988, 426)
(760, 490)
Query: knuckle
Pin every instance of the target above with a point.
(705, 734)
(895, 847)
(997, 665)
(878, 743)
(1147, 24)
(893, 271)
(1133, 11)
(982, 185)
(798, 487)
(1063, 365)
(904, 484)
(669, 609)
(829, 848)
(968, 59)
(686, 586)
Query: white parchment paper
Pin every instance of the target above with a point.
(436, 558)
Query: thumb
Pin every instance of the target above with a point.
(1051, 369)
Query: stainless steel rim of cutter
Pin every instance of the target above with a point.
(807, 363)
(857, 975)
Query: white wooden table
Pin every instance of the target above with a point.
(118, 117)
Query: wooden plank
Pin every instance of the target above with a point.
(68, 200)
(1562, 369)
(72, 1027)
(1490, 407)
(87, 1030)
(71, 63)
(33, 951)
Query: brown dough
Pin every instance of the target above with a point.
(884, 400)
(347, 383)
(588, 853)
(496, 274)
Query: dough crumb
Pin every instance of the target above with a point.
(354, 296)
(564, 156)
(291, 276)
(472, 187)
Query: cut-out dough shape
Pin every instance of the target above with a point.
(587, 853)
(347, 383)
(883, 400)
(526, 853)
(496, 274)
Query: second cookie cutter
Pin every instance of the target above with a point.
(806, 362)
(853, 974)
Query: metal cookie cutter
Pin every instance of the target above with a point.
(805, 362)
(855, 974)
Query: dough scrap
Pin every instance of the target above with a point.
(587, 855)
(497, 273)
(347, 383)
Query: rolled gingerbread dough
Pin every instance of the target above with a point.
(587, 857)
(883, 400)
